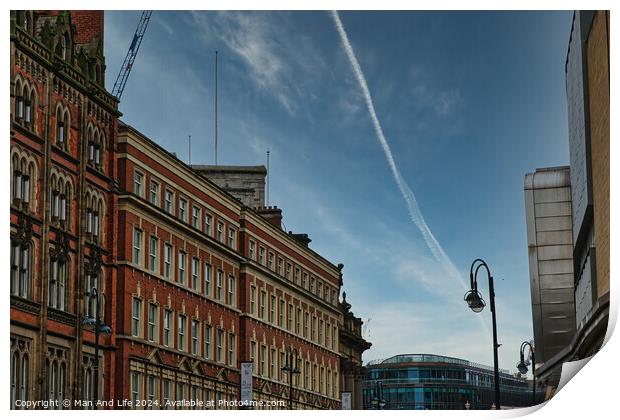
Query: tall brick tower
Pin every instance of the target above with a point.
(63, 197)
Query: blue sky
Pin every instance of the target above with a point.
(468, 101)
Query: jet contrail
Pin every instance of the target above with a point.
(410, 200)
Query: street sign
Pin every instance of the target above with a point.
(246, 382)
(346, 400)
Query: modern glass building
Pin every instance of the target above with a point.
(431, 382)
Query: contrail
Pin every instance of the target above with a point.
(410, 200)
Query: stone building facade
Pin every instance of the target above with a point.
(192, 280)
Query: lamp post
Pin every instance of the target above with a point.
(523, 364)
(292, 367)
(98, 329)
(476, 303)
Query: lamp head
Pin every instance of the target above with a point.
(89, 321)
(105, 329)
(475, 301)
(522, 367)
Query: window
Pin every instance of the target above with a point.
(220, 346)
(181, 338)
(307, 375)
(263, 298)
(334, 335)
(261, 255)
(137, 183)
(252, 250)
(288, 271)
(321, 329)
(231, 349)
(165, 392)
(313, 328)
(167, 326)
(154, 193)
(307, 325)
(220, 285)
(289, 319)
(253, 300)
(231, 238)
(328, 330)
(297, 275)
(59, 206)
(261, 360)
(90, 282)
(62, 127)
(272, 309)
(298, 322)
(281, 314)
(314, 374)
(329, 382)
(168, 200)
(21, 188)
(151, 384)
(305, 283)
(207, 342)
(272, 364)
(270, 261)
(207, 277)
(167, 260)
(20, 372)
(196, 217)
(195, 273)
(220, 231)
(58, 283)
(320, 290)
(137, 246)
(282, 364)
(253, 356)
(209, 225)
(182, 258)
(182, 209)
(152, 322)
(195, 327)
(312, 284)
(333, 297)
(231, 290)
(322, 388)
(135, 388)
(153, 254)
(280, 262)
(136, 314)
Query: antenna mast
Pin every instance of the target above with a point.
(216, 107)
(190, 151)
(267, 201)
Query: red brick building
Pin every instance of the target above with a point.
(195, 279)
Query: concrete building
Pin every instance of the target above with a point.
(587, 92)
(63, 171)
(550, 249)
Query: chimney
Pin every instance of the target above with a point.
(272, 213)
(302, 238)
(88, 25)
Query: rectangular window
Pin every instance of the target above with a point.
(321, 329)
(306, 375)
(167, 260)
(220, 285)
(167, 327)
(253, 356)
(263, 298)
(298, 322)
(168, 200)
(195, 327)
(297, 275)
(154, 193)
(334, 335)
(282, 364)
(307, 325)
(137, 183)
(272, 309)
(152, 322)
(137, 246)
(195, 273)
(252, 250)
(152, 381)
(207, 342)
(181, 277)
(272, 364)
(231, 291)
(270, 261)
(165, 392)
(136, 314)
(261, 362)
(328, 330)
(320, 289)
(314, 374)
(288, 271)
(231, 238)
(196, 217)
(182, 209)
(253, 300)
(305, 283)
(322, 389)
(231, 349)
(289, 319)
(314, 328)
(181, 338)
(220, 232)
(153, 254)
(220, 346)
(261, 255)
(281, 314)
(280, 262)
(207, 276)
(209, 225)
(135, 387)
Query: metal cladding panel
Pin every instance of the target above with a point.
(555, 252)
(557, 296)
(557, 281)
(583, 292)
(552, 209)
(552, 195)
(555, 267)
(555, 237)
(577, 137)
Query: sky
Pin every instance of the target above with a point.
(467, 102)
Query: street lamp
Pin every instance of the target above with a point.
(476, 303)
(292, 367)
(523, 364)
(98, 329)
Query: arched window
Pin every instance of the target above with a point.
(20, 269)
(14, 379)
(64, 46)
(90, 307)
(19, 100)
(20, 370)
(62, 127)
(95, 147)
(23, 385)
(61, 200)
(59, 279)
(23, 180)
